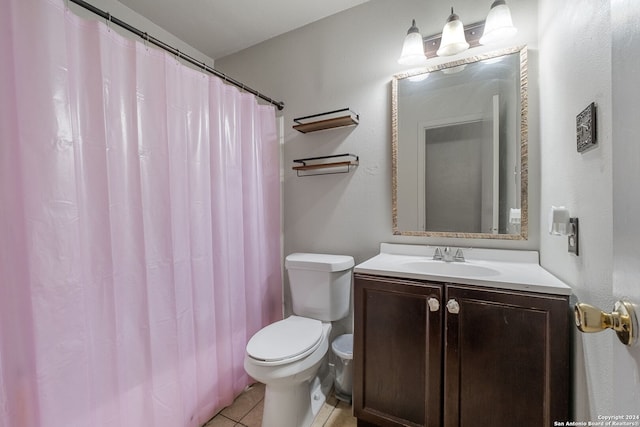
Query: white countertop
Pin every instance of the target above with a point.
(495, 268)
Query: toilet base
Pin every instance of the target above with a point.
(296, 406)
(290, 406)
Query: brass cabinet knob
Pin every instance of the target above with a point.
(434, 304)
(622, 319)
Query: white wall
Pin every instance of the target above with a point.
(348, 60)
(575, 69)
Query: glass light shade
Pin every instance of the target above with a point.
(453, 39)
(498, 25)
(413, 48)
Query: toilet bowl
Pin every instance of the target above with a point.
(290, 395)
(290, 356)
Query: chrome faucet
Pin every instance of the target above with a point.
(446, 255)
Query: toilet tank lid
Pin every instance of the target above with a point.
(319, 262)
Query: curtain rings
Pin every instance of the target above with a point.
(146, 40)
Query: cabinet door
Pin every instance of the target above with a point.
(397, 352)
(506, 358)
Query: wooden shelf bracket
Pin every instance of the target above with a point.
(318, 165)
(332, 119)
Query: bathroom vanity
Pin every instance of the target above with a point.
(484, 342)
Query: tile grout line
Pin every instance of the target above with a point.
(248, 412)
(329, 416)
(333, 406)
(329, 420)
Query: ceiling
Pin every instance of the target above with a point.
(221, 27)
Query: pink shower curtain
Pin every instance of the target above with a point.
(139, 228)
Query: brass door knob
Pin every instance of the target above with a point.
(622, 319)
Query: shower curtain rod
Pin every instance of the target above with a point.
(150, 39)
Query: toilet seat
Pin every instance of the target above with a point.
(285, 341)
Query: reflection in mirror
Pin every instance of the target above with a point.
(459, 142)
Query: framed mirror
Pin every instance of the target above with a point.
(459, 148)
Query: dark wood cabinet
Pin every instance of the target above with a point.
(485, 357)
(398, 343)
(506, 358)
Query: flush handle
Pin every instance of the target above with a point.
(434, 304)
(622, 320)
(453, 307)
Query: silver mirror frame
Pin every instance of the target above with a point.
(524, 146)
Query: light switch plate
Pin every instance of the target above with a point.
(573, 239)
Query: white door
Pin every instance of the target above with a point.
(438, 178)
(625, 24)
(491, 167)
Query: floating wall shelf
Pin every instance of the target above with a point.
(328, 120)
(318, 166)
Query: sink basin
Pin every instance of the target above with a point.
(495, 268)
(450, 268)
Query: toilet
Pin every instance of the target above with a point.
(288, 355)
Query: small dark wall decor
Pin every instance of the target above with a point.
(586, 128)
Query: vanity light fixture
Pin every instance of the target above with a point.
(456, 38)
(453, 39)
(498, 25)
(413, 47)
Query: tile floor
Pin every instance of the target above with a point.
(246, 411)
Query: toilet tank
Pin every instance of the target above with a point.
(320, 285)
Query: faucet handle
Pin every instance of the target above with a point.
(437, 255)
(459, 256)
